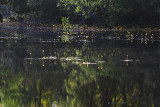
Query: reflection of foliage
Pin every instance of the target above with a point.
(10, 96)
(79, 85)
(64, 82)
(114, 84)
(22, 89)
(86, 81)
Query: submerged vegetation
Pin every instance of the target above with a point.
(92, 12)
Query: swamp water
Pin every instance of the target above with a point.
(40, 67)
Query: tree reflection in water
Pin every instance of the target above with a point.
(78, 74)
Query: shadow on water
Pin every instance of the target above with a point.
(42, 68)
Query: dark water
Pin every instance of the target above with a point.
(40, 67)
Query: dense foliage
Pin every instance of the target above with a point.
(106, 12)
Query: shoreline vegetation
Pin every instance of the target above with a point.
(97, 14)
(74, 27)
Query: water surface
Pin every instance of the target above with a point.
(41, 67)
